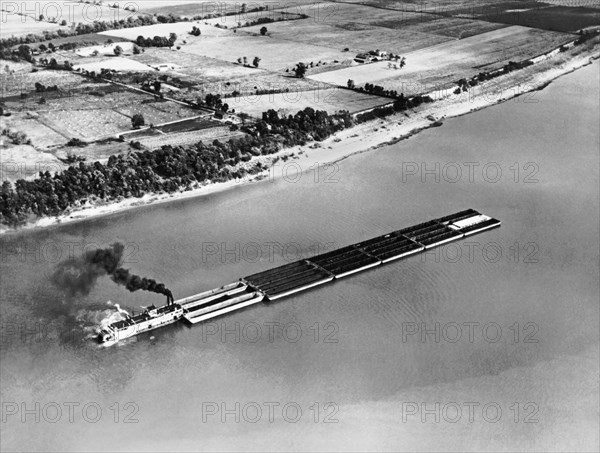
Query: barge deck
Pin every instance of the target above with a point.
(282, 281)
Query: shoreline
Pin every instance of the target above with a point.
(361, 138)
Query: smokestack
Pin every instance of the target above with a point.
(79, 275)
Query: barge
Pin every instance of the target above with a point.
(301, 275)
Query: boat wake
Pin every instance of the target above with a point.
(93, 321)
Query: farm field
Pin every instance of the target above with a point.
(451, 27)
(114, 63)
(97, 151)
(442, 42)
(17, 25)
(196, 67)
(397, 15)
(181, 7)
(411, 19)
(209, 75)
(438, 66)
(89, 125)
(261, 80)
(574, 3)
(14, 158)
(328, 99)
(188, 138)
(9, 68)
(556, 15)
(24, 82)
(191, 8)
(354, 36)
(244, 19)
(275, 54)
(557, 18)
(181, 29)
(70, 11)
(41, 135)
(88, 112)
(362, 28)
(91, 39)
(105, 49)
(446, 6)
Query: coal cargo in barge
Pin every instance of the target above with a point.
(301, 275)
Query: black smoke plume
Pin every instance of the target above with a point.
(79, 275)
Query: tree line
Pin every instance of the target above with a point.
(7, 44)
(401, 104)
(170, 169)
(157, 41)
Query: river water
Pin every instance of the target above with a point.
(488, 344)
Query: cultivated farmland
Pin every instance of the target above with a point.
(24, 82)
(354, 36)
(438, 66)
(181, 29)
(275, 54)
(17, 25)
(325, 98)
(115, 64)
(198, 68)
(40, 134)
(442, 42)
(556, 15)
(88, 112)
(207, 135)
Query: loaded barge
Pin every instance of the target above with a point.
(301, 275)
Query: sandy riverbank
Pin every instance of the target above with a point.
(361, 138)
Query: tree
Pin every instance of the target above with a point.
(256, 61)
(109, 41)
(195, 31)
(118, 51)
(351, 84)
(172, 38)
(137, 121)
(63, 23)
(25, 52)
(263, 31)
(53, 64)
(245, 61)
(300, 70)
(402, 62)
(43, 48)
(41, 17)
(136, 50)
